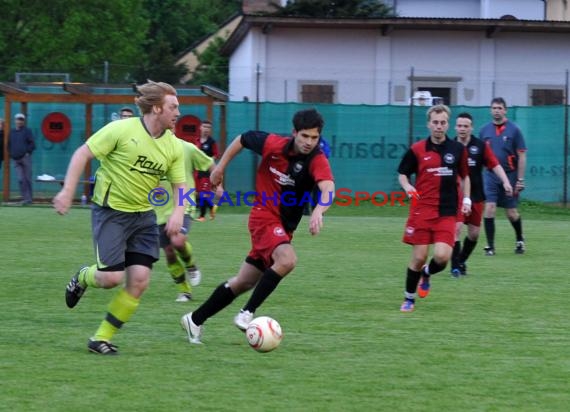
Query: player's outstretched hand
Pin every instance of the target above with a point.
(508, 188)
(173, 225)
(316, 223)
(62, 202)
(519, 186)
(217, 176)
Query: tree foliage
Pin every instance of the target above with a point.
(139, 39)
(213, 67)
(174, 26)
(71, 37)
(336, 9)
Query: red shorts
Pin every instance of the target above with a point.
(475, 217)
(420, 231)
(266, 233)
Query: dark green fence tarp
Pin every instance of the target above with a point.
(367, 142)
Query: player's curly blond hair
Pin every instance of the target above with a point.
(152, 94)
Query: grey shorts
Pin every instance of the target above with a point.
(164, 240)
(116, 233)
(494, 191)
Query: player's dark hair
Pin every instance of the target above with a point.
(499, 100)
(308, 119)
(127, 109)
(465, 115)
(206, 121)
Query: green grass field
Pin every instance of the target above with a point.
(496, 340)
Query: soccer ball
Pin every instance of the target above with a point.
(264, 334)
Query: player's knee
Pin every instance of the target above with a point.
(284, 258)
(141, 284)
(178, 241)
(287, 262)
(170, 254)
(473, 233)
(442, 256)
(240, 284)
(111, 279)
(513, 215)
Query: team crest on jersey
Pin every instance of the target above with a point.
(278, 231)
(297, 167)
(473, 150)
(449, 158)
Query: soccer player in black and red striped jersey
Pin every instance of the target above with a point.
(437, 162)
(479, 154)
(288, 171)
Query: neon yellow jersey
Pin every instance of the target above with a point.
(194, 159)
(132, 164)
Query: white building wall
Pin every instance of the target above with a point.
(368, 68)
(248, 58)
(530, 59)
(438, 8)
(436, 55)
(476, 9)
(242, 77)
(521, 9)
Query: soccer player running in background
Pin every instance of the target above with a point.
(509, 147)
(288, 171)
(208, 145)
(479, 154)
(437, 162)
(134, 154)
(177, 249)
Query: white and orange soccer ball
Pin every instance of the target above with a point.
(264, 334)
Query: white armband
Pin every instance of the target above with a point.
(467, 202)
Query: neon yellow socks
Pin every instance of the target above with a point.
(87, 276)
(178, 273)
(120, 310)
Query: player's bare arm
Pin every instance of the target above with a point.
(408, 188)
(217, 175)
(466, 206)
(62, 201)
(519, 186)
(177, 218)
(326, 199)
(500, 172)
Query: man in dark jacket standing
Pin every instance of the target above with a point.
(1, 141)
(20, 146)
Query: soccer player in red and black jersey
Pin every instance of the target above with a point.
(208, 145)
(479, 154)
(287, 173)
(438, 163)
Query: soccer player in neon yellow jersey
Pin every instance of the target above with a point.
(177, 249)
(134, 154)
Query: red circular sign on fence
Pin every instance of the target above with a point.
(188, 128)
(56, 127)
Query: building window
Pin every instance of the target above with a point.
(443, 87)
(317, 93)
(442, 93)
(546, 97)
